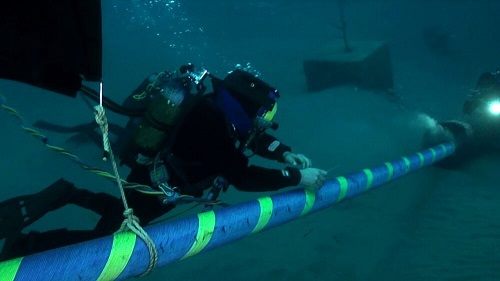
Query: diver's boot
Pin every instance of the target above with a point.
(18, 213)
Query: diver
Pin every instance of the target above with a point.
(478, 131)
(189, 146)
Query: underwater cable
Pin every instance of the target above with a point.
(182, 238)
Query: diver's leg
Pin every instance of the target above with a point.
(146, 207)
(99, 203)
(25, 210)
(62, 193)
(56, 196)
(17, 213)
(20, 212)
(109, 207)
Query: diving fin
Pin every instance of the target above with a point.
(19, 212)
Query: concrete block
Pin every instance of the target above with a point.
(367, 66)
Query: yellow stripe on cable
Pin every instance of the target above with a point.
(121, 252)
(266, 211)
(206, 227)
(310, 196)
(390, 170)
(9, 269)
(369, 178)
(343, 188)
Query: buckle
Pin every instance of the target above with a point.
(171, 194)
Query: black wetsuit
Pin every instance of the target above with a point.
(205, 146)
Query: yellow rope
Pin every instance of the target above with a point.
(149, 87)
(138, 187)
(131, 222)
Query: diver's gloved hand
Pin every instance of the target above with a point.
(295, 159)
(312, 177)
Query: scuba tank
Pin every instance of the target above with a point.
(161, 116)
(172, 101)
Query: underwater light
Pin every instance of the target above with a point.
(494, 107)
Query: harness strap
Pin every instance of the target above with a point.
(159, 175)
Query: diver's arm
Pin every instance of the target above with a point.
(260, 179)
(270, 147)
(240, 174)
